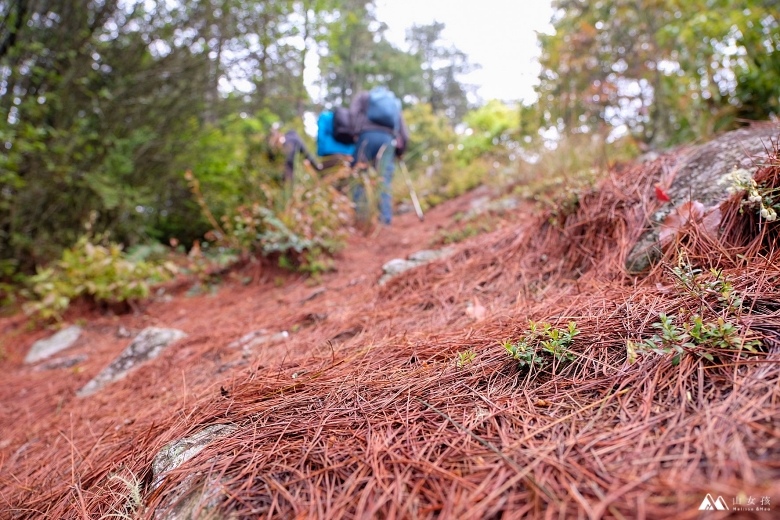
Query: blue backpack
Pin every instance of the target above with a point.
(384, 109)
(326, 142)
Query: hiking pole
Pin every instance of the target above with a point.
(415, 202)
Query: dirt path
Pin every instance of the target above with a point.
(34, 400)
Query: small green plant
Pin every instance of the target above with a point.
(99, 272)
(718, 334)
(692, 335)
(561, 203)
(669, 340)
(454, 236)
(523, 353)
(315, 262)
(541, 343)
(466, 358)
(559, 340)
(703, 286)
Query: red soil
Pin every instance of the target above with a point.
(364, 411)
(35, 404)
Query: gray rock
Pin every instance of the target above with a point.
(403, 208)
(479, 205)
(429, 255)
(485, 205)
(195, 497)
(176, 453)
(698, 175)
(149, 343)
(249, 341)
(397, 266)
(60, 341)
(65, 362)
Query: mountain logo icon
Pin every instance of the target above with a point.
(708, 504)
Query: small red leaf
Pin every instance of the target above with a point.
(661, 194)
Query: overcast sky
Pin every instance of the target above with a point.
(499, 35)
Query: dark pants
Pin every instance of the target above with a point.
(376, 148)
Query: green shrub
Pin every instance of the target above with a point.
(694, 331)
(10, 281)
(543, 344)
(694, 335)
(301, 226)
(101, 273)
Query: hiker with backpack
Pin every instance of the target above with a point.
(292, 144)
(381, 136)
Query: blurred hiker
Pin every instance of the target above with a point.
(381, 136)
(335, 140)
(291, 143)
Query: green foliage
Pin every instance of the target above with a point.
(302, 226)
(668, 73)
(359, 56)
(465, 358)
(694, 335)
(95, 123)
(442, 66)
(523, 353)
(103, 120)
(10, 281)
(691, 331)
(473, 223)
(464, 232)
(101, 273)
(491, 132)
(559, 340)
(445, 165)
(234, 164)
(433, 141)
(438, 172)
(239, 188)
(543, 344)
(714, 285)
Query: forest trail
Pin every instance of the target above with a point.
(341, 398)
(255, 298)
